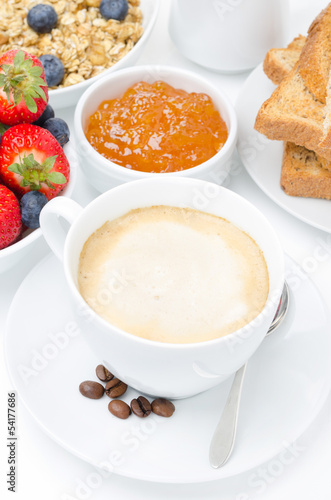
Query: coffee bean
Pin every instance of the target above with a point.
(163, 407)
(141, 407)
(115, 388)
(119, 408)
(92, 390)
(103, 374)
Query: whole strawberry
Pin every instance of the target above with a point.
(10, 217)
(32, 159)
(23, 88)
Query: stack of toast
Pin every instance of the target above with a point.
(299, 110)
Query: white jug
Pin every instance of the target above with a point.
(228, 35)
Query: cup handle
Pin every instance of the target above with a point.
(50, 224)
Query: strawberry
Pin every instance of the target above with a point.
(32, 159)
(10, 217)
(23, 88)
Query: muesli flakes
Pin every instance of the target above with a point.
(86, 43)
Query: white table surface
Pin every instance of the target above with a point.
(46, 471)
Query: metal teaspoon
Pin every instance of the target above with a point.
(223, 439)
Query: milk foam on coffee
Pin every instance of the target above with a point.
(173, 274)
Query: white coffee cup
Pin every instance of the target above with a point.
(228, 35)
(159, 368)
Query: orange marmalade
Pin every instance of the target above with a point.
(156, 128)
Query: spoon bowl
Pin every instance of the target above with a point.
(281, 310)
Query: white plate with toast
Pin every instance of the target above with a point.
(262, 157)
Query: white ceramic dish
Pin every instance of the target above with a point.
(12, 255)
(104, 174)
(287, 382)
(68, 96)
(263, 158)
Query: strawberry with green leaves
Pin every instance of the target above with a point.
(10, 217)
(32, 159)
(23, 88)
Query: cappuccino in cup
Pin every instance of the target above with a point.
(173, 275)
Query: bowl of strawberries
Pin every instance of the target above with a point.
(36, 159)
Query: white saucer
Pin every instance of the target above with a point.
(263, 158)
(287, 382)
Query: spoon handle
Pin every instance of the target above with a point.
(223, 439)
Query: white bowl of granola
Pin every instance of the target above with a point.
(88, 45)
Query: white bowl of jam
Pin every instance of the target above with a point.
(150, 121)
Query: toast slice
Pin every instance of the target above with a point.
(315, 66)
(279, 62)
(315, 57)
(294, 114)
(303, 173)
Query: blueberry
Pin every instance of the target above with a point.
(48, 113)
(54, 69)
(31, 204)
(114, 9)
(59, 129)
(42, 18)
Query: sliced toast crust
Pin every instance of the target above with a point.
(293, 114)
(279, 62)
(303, 174)
(315, 57)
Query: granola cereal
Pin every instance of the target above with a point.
(85, 42)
